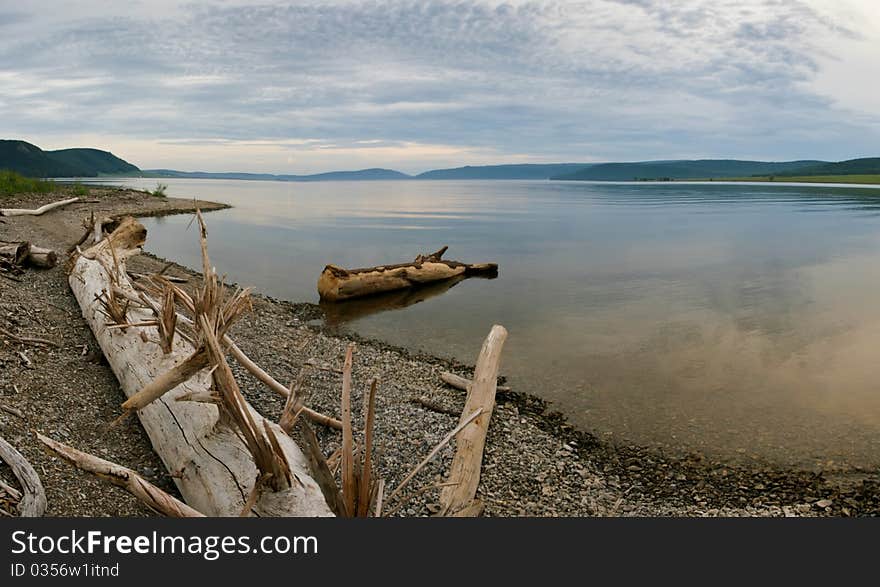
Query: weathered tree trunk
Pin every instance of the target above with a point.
(38, 211)
(338, 284)
(211, 465)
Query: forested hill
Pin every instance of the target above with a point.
(865, 166)
(684, 169)
(515, 171)
(29, 160)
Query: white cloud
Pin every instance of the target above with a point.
(442, 82)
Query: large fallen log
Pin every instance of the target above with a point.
(212, 461)
(338, 284)
(33, 499)
(37, 211)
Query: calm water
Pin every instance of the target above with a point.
(737, 320)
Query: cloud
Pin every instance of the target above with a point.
(591, 80)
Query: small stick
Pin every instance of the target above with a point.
(27, 362)
(10, 490)
(27, 339)
(435, 407)
(12, 411)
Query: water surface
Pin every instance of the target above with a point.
(735, 320)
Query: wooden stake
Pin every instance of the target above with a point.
(349, 485)
(468, 460)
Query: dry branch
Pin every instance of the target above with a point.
(27, 339)
(38, 211)
(157, 500)
(33, 497)
(238, 354)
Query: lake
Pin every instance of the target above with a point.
(736, 320)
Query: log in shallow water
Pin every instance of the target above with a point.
(338, 284)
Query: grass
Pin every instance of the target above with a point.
(13, 183)
(862, 179)
(159, 192)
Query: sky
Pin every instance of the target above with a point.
(412, 85)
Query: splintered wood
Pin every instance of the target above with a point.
(217, 451)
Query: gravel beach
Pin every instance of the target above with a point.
(536, 464)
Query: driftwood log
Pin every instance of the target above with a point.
(37, 211)
(458, 498)
(459, 382)
(33, 498)
(24, 253)
(14, 253)
(338, 284)
(42, 258)
(213, 466)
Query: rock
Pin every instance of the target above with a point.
(823, 503)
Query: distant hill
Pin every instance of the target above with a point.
(29, 160)
(685, 169)
(865, 166)
(515, 171)
(359, 175)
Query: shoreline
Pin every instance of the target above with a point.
(536, 462)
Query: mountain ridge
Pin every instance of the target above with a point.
(30, 160)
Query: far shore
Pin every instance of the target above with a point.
(845, 179)
(537, 463)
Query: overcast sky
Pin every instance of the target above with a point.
(413, 85)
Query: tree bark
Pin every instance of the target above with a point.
(338, 284)
(211, 465)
